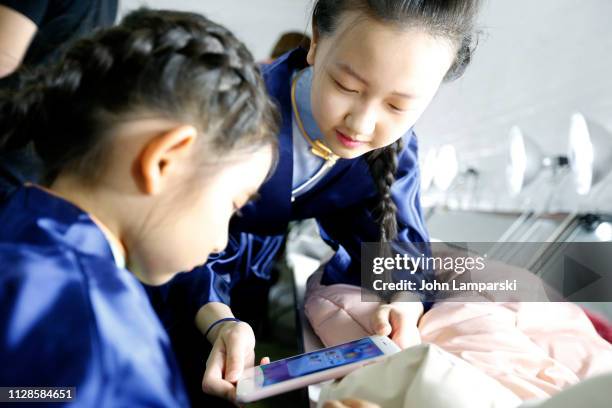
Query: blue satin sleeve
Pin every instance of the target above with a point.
(180, 298)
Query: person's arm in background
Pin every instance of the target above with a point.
(16, 34)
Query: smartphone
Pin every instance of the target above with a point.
(311, 368)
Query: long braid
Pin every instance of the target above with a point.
(19, 112)
(383, 166)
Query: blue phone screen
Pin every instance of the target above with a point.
(319, 360)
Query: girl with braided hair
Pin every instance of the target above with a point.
(146, 130)
(348, 152)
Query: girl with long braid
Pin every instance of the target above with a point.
(145, 130)
(348, 152)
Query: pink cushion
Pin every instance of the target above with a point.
(534, 349)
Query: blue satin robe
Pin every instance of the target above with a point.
(70, 317)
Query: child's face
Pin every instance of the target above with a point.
(372, 81)
(198, 223)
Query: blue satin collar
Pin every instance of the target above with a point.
(304, 105)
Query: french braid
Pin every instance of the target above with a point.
(175, 65)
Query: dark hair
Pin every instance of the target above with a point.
(288, 41)
(156, 63)
(450, 19)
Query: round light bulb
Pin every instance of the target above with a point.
(517, 164)
(581, 154)
(603, 232)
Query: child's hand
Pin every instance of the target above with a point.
(398, 320)
(233, 350)
(349, 403)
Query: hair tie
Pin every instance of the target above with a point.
(225, 319)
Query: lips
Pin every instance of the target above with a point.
(347, 141)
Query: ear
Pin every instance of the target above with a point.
(310, 57)
(162, 154)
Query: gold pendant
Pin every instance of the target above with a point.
(317, 147)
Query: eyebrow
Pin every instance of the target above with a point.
(351, 72)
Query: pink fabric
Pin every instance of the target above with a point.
(534, 349)
(601, 324)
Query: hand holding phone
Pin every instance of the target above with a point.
(233, 350)
(398, 320)
(311, 368)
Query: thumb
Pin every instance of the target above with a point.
(265, 360)
(405, 331)
(235, 357)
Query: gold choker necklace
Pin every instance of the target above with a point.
(317, 147)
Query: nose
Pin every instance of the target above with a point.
(362, 121)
